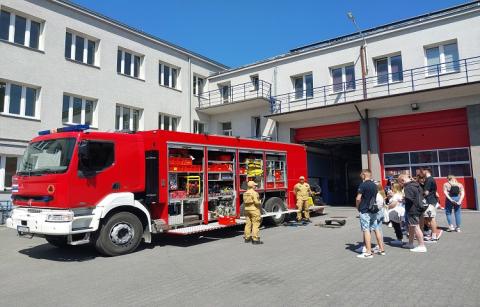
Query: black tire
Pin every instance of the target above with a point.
(120, 234)
(275, 204)
(58, 241)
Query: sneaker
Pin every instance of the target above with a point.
(458, 229)
(396, 243)
(365, 256)
(248, 240)
(361, 250)
(376, 250)
(408, 246)
(431, 241)
(438, 235)
(450, 228)
(427, 238)
(382, 253)
(419, 249)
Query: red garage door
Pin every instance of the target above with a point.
(327, 132)
(438, 139)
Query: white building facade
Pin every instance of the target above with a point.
(415, 100)
(63, 65)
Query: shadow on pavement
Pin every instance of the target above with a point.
(68, 254)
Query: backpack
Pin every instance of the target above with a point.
(372, 205)
(454, 190)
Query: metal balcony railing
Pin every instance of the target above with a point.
(235, 93)
(407, 81)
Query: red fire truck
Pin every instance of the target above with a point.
(115, 189)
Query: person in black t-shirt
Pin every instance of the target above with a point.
(430, 194)
(367, 191)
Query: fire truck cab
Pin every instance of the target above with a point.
(113, 189)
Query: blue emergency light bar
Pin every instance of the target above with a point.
(65, 129)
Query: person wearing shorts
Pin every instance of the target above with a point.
(428, 218)
(413, 198)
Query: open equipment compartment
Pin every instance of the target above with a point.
(221, 183)
(276, 171)
(185, 185)
(251, 168)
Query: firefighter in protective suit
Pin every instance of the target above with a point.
(252, 203)
(302, 193)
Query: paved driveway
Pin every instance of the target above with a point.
(298, 266)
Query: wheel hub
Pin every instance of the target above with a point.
(277, 210)
(121, 233)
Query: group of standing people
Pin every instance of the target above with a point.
(410, 205)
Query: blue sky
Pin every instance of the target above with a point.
(244, 31)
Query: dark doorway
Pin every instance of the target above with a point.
(335, 165)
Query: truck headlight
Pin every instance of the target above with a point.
(60, 217)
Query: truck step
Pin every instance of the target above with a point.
(202, 228)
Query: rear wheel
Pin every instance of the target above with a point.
(120, 234)
(275, 205)
(57, 241)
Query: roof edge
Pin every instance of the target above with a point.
(71, 5)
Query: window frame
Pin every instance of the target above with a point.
(305, 94)
(344, 78)
(70, 121)
(441, 58)
(256, 127)
(23, 101)
(161, 121)
(172, 83)
(3, 170)
(197, 124)
(133, 54)
(198, 89)
(389, 69)
(28, 27)
(130, 119)
(226, 132)
(255, 82)
(437, 164)
(73, 48)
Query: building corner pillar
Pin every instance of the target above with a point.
(473, 117)
(373, 135)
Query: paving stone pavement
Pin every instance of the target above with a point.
(297, 266)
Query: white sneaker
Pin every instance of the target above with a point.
(408, 246)
(365, 256)
(419, 249)
(376, 250)
(458, 229)
(451, 228)
(362, 249)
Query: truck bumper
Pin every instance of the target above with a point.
(49, 222)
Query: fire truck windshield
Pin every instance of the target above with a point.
(47, 157)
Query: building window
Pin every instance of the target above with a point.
(389, 69)
(199, 127)
(168, 75)
(256, 127)
(255, 82)
(80, 49)
(227, 129)
(343, 78)
(18, 100)
(198, 85)
(225, 92)
(443, 162)
(168, 122)
(303, 86)
(79, 110)
(127, 118)
(8, 168)
(442, 59)
(129, 64)
(20, 30)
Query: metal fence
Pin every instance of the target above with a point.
(5, 210)
(410, 80)
(235, 93)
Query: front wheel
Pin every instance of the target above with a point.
(120, 234)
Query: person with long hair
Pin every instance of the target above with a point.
(396, 212)
(454, 196)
